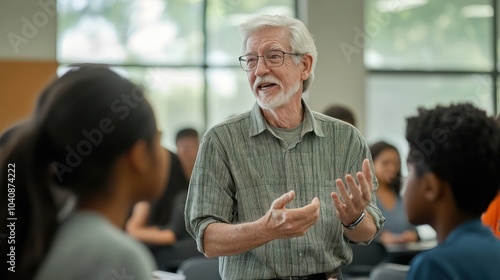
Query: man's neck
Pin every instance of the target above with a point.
(288, 116)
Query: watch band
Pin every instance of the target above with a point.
(355, 223)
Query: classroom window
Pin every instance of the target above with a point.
(185, 52)
(424, 53)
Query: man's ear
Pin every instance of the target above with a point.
(433, 187)
(139, 156)
(307, 61)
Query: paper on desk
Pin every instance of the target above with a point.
(164, 275)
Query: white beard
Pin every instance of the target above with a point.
(278, 100)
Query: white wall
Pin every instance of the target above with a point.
(339, 78)
(28, 30)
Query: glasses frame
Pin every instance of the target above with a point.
(264, 57)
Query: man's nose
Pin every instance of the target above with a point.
(261, 67)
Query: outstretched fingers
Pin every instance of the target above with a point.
(306, 216)
(366, 182)
(283, 200)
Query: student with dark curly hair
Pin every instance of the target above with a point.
(453, 163)
(93, 134)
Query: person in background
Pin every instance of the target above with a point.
(187, 143)
(453, 175)
(160, 223)
(266, 193)
(387, 163)
(84, 137)
(342, 113)
(491, 217)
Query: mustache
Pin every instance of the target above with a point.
(265, 79)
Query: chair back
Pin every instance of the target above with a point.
(170, 257)
(365, 258)
(200, 268)
(389, 271)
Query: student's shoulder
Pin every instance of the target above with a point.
(100, 248)
(427, 265)
(97, 234)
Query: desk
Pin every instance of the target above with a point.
(404, 253)
(415, 247)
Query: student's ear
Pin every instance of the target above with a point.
(433, 187)
(139, 156)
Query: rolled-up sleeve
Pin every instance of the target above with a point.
(211, 190)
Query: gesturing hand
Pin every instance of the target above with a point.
(351, 205)
(280, 222)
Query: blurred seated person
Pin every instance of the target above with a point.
(161, 223)
(387, 164)
(342, 113)
(106, 161)
(187, 143)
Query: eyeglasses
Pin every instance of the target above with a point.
(271, 58)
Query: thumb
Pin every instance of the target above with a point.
(282, 201)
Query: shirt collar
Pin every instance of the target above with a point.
(474, 225)
(259, 124)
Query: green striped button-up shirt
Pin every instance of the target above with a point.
(243, 166)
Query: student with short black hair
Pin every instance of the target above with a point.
(94, 134)
(342, 113)
(453, 163)
(187, 143)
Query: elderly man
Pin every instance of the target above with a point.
(265, 193)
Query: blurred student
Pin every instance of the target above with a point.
(342, 113)
(161, 223)
(453, 163)
(158, 222)
(187, 142)
(387, 164)
(93, 134)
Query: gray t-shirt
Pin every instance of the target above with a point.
(397, 221)
(87, 246)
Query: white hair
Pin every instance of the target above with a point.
(301, 40)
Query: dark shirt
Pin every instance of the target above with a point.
(168, 210)
(469, 252)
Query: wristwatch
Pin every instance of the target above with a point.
(355, 223)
